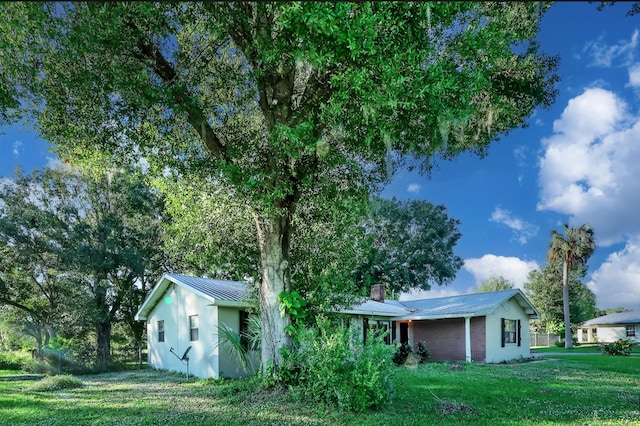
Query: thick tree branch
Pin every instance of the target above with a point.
(195, 116)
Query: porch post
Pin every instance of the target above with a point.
(467, 338)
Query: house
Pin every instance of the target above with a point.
(483, 327)
(183, 314)
(609, 328)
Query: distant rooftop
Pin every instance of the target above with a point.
(632, 317)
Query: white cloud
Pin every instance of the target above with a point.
(513, 269)
(54, 163)
(604, 55)
(414, 187)
(634, 76)
(521, 229)
(435, 292)
(616, 283)
(589, 167)
(16, 148)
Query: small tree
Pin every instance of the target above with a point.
(572, 249)
(495, 284)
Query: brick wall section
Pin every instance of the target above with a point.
(445, 338)
(478, 339)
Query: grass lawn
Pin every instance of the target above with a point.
(583, 348)
(586, 348)
(572, 390)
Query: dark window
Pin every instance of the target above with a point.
(193, 328)
(160, 330)
(380, 328)
(631, 330)
(510, 331)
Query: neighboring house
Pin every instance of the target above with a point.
(183, 312)
(481, 327)
(609, 328)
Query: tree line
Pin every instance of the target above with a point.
(82, 249)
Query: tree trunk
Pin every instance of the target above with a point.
(568, 340)
(274, 241)
(103, 330)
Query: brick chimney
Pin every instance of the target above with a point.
(377, 292)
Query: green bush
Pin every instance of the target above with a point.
(559, 344)
(423, 352)
(620, 347)
(332, 366)
(54, 383)
(18, 361)
(402, 353)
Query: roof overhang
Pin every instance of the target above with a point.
(160, 289)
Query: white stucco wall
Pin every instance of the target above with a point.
(494, 350)
(175, 308)
(611, 333)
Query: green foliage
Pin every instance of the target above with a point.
(621, 347)
(234, 342)
(495, 284)
(56, 383)
(80, 251)
(289, 105)
(423, 352)
(15, 361)
(293, 305)
(403, 351)
(411, 246)
(331, 365)
(572, 250)
(544, 290)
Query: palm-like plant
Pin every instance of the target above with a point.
(234, 343)
(572, 249)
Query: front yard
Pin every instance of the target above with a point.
(570, 390)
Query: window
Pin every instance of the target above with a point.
(193, 328)
(160, 330)
(510, 331)
(378, 328)
(631, 330)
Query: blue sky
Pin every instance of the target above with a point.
(578, 162)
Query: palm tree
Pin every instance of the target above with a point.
(572, 249)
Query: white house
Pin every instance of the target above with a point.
(609, 328)
(483, 327)
(184, 312)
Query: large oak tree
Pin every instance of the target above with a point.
(286, 103)
(79, 251)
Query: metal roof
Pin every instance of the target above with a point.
(477, 304)
(232, 291)
(632, 317)
(373, 308)
(218, 292)
(468, 304)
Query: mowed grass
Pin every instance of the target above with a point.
(570, 390)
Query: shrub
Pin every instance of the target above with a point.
(423, 352)
(15, 361)
(53, 383)
(402, 353)
(620, 347)
(559, 344)
(330, 365)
